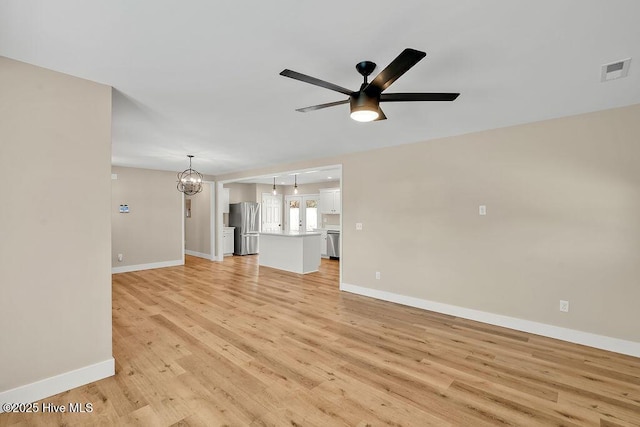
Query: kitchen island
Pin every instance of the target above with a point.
(295, 251)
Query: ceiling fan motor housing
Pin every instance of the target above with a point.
(360, 101)
(365, 68)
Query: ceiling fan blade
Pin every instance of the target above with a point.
(321, 106)
(405, 97)
(312, 80)
(407, 59)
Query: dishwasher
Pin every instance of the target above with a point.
(333, 244)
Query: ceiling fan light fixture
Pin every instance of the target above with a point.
(364, 108)
(364, 115)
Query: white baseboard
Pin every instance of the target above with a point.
(38, 390)
(200, 255)
(617, 345)
(138, 267)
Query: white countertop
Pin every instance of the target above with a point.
(290, 233)
(328, 228)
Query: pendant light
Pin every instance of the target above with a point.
(190, 180)
(295, 185)
(274, 186)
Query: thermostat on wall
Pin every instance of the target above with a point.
(124, 208)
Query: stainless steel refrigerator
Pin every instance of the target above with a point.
(245, 217)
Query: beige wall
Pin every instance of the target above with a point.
(563, 202)
(330, 219)
(241, 192)
(198, 226)
(266, 189)
(55, 281)
(152, 230)
(562, 197)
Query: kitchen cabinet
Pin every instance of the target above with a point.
(323, 243)
(295, 251)
(330, 200)
(225, 200)
(228, 240)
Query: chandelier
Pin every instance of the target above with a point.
(190, 180)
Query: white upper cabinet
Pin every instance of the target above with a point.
(330, 200)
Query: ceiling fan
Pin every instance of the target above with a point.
(365, 102)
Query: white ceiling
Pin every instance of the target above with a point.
(201, 77)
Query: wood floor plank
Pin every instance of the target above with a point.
(365, 407)
(232, 343)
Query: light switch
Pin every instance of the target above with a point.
(482, 210)
(358, 226)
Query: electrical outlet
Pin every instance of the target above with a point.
(378, 275)
(564, 306)
(120, 257)
(482, 210)
(358, 226)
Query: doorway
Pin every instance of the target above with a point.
(271, 212)
(301, 212)
(275, 214)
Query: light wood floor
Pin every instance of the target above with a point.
(233, 344)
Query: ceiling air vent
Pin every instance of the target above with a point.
(615, 70)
